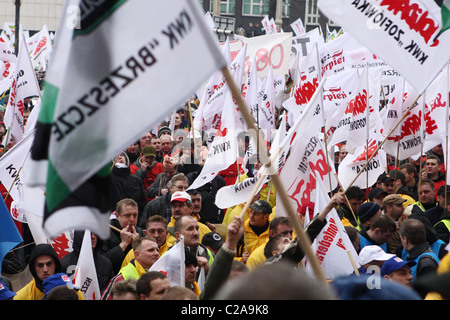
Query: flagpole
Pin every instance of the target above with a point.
(303, 240)
(384, 140)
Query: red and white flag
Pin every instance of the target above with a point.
(332, 245)
(354, 163)
(23, 85)
(408, 35)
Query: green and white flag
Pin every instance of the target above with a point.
(119, 70)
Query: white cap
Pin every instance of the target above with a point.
(371, 253)
(181, 196)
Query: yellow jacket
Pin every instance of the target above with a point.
(32, 292)
(170, 241)
(257, 257)
(444, 266)
(237, 212)
(202, 228)
(251, 240)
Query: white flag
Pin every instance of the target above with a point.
(85, 278)
(408, 35)
(332, 244)
(172, 264)
(353, 163)
(24, 85)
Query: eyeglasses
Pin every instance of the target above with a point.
(180, 187)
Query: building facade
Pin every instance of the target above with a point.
(35, 13)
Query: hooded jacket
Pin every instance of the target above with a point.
(102, 264)
(34, 290)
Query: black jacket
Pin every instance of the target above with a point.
(126, 185)
(102, 264)
(110, 248)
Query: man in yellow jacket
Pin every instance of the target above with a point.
(44, 262)
(146, 253)
(256, 228)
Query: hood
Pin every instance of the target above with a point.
(39, 250)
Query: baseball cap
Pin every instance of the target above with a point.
(181, 196)
(393, 199)
(5, 293)
(385, 177)
(213, 240)
(261, 206)
(148, 151)
(394, 264)
(55, 280)
(371, 253)
(376, 193)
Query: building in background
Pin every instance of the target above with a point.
(35, 13)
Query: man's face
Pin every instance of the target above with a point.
(155, 142)
(403, 276)
(180, 185)
(388, 186)
(258, 219)
(426, 194)
(158, 231)
(44, 266)
(196, 203)
(382, 237)
(395, 211)
(355, 204)
(147, 254)
(128, 216)
(284, 229)
(166, 144)
(432, 166)
(190, 273)
(159, 287)
(145, 139)
(190, 232)
(148, 159)
(180, 209)
(409, 177)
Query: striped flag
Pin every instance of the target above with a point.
(105, 86)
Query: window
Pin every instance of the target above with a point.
(255, 7)
(312, 13)
(286, 8)
(226, 6)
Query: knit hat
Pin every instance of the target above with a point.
(367, 210)
(213, 240)
(164, 130)
(189, 258)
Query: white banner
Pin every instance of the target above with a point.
(354, 163)
(85, 278)
(405, 34)
(270, 50)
